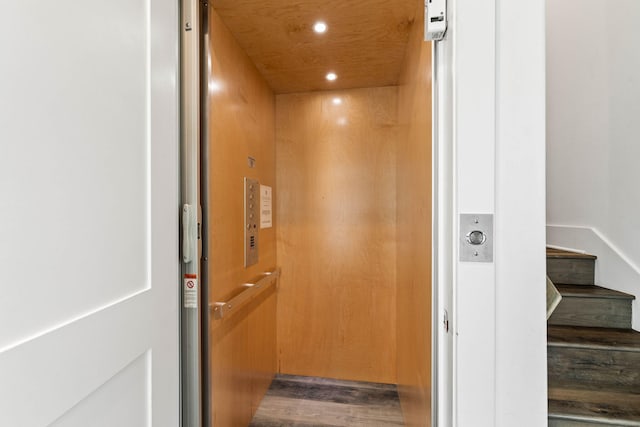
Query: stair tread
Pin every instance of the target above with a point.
(594, 338)
(595, 405)
(557, 253)
(593, 385)
(590, 291)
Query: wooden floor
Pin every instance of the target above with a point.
(310, 401)
(591, 406)
(603, 338)
(593, 355)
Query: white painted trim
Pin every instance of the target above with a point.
(498, 154)
(473, 59)
(520, 291)
(564, 248)
(443, 229)
(614, 269)
(604, 239)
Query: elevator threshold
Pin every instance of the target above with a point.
(312, 401)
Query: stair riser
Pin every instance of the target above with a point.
(554, 422)
(593, 312)
(593, 368)
(571, 271)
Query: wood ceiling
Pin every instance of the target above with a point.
(364, 45)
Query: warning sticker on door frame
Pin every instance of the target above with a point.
(190, 291)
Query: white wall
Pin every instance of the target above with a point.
(593, 126)
(521, 332)
(498, 150)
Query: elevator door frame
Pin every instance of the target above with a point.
(195, 411)
(193, 242)
(492, 152)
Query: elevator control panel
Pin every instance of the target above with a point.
(251, 220)
(476, 237)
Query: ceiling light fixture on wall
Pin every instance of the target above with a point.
(337, 101)
(320, 27)
(332, 76)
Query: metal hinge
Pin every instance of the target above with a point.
(188, 231)
(191, 233)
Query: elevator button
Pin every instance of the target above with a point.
(476, 237)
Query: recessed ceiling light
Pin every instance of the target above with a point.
(320, 27)
(331, 76)
(337, 101)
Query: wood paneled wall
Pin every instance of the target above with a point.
(336, 236)
(243, 354)
(414, 232)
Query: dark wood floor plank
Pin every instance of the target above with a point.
(309, 401)
(347, 393)
(596, 369)
(576, 271)
(604, 338)
(591, 291)
(621, 409)
(594, 306)
(558, 253)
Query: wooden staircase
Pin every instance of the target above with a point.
(593, 354)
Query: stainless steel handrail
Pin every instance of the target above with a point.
(251, 290)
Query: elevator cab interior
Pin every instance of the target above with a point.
(324, 108)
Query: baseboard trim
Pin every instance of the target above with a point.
(564, 248)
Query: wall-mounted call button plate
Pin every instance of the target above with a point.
(476, 237)
(251, 215)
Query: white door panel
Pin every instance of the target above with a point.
(128, 391)
(76, 127)
(45, 376)
(88, 213)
